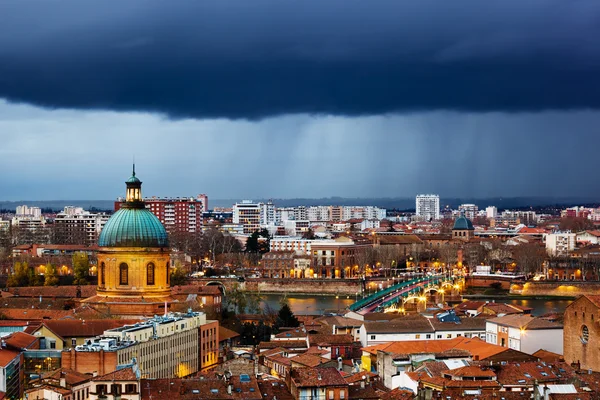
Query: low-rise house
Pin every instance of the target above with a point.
(318, 383)
(60, 384)
(336, 345)
(123, 383)
(525, 333)
(399, 329)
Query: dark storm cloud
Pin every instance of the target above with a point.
(252, 59)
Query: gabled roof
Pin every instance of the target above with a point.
(400, 325)
(71, 377)
(125, 374)
(313, 377)
(525, 322)
(6, 356)
(65, 328)
(225, 333)
(20, 340)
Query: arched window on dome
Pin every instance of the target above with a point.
(123, 274)
(150, 274)
(168, 274)
(102, 273)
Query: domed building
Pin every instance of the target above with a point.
(133, 259)
(463, 228)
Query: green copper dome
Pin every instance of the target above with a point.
(133, 227)
(463, 223)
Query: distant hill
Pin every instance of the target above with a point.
(405, 203)
(398, 203)
(58, 205)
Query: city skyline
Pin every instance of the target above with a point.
(489, 100)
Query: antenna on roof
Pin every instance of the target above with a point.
(134, 165)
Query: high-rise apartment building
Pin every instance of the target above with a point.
(491, 212)
(180, 214)
(469, 210)
(247, 214)
(428, 206)
(74, 225)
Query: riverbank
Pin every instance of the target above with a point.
(516, 297)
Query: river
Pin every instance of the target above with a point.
(319, 305)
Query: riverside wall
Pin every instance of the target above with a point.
(333, 287)
(556, 288)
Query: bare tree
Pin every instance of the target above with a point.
(529, 257)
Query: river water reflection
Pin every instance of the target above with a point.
(316, 304)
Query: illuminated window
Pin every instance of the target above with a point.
(123, 274)
(150, 274)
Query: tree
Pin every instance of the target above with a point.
(20, 275)
(286, 318)
(529, 257)
(309, 234)
(258, 242)
(236, 299)
(178, 277)
(50, 276)
(449, 255)
(81, 268)
(575, 224)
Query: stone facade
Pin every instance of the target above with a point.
(131, 271)
(582, 333)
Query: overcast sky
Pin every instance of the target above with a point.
(271, 98)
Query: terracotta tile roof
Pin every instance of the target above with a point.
(6, 356)
(51, 388)
(525, 322)
(501, 308)
(271, 352)
(316, 351)
(330, 340)
(339, 321)
(274, 389)
(466, 384)
(478, 348)
(53, 291)
(308, 360)
(84, 328)
(287, 344)
(192, 389)
(433, 368)
(359, 377)
(594, 298)
(292, 333)
(225, 333)
(398, 394)
(470, 371)
(125, 374)
(526, 373)
(548, 356)
(71, 377)
(312, 377)
(280, 359)
(20, 340)
(474, 324)
(400, 325)
(29, 314)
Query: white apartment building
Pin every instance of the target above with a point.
(267, 216)
(491, 212)
(525, 333)
(74, 225)
(469, 210)
(428, 206)
(560, 243)
(247, 214)
(291, 243)
(26, 211)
